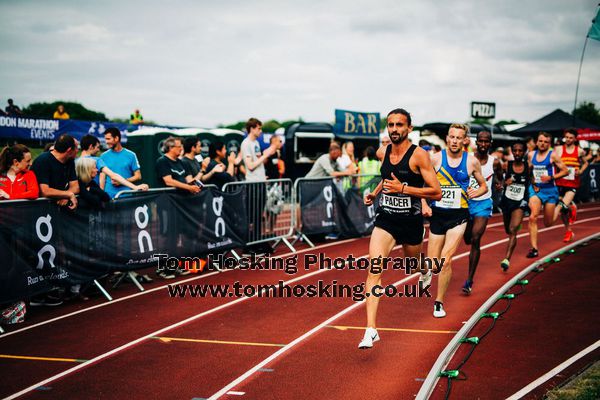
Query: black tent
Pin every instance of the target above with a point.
(554, 123)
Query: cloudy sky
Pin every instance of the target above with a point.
(202, 63)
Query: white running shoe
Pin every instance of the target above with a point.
(425, 279)
(438, 310)
(371, 336)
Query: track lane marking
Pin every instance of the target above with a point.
(172, 339)
(550, 374)
(362, 328)
(34, 358)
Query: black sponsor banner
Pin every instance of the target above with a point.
(361, 218)
(217, 222)
(43, 245)
(319, 205)
(325, 210)
(590, 184)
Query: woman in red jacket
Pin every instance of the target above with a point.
(16, 180)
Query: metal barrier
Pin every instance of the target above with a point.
(127, 193)
(270, 210)
(364, 183)
(153, 190)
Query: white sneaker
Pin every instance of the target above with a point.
(371, 336)
(438, 310)
(425, 278)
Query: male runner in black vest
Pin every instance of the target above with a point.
(407, 177)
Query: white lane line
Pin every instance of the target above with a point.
(552, 373)
(584, 210)
(42, 323)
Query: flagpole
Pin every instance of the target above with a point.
(579, 74)
(578, 78)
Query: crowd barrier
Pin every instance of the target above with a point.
(334, 206)
(269, 207)
(43, 245)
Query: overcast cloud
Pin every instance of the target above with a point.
(202, 63)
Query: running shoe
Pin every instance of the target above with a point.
(533, 253)
(572, 213)
(438, 310)
(371, 336)
(467, 287)
(46, 301)
(505, 264)
(166, 275)
(569, 236)
(425, 278)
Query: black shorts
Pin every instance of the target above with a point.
(508, 206)
(562, 190)
(405, 230)
(442, 220)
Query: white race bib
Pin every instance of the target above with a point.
(515, 192)
(396, 203)
(538, 172)
(571, 176)
(450, 197)
(473, 183)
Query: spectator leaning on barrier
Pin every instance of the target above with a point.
(55, 172)
(326, 165)
(90, 193)
(216, 172)
(121, 161)
(192, 148)
(13, 110)
(60, 113)
(16, 180)
(347, 157)
(171, 170)
(90, 147)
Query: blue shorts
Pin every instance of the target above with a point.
(481, 208)
(546, 195)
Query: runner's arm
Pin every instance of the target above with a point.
(498, 174)
(583, 162)
(431, 189)
(563, 170)
(482, 189)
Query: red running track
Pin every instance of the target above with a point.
(326, 364)
(555, 318)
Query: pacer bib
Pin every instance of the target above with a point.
(396, 204)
